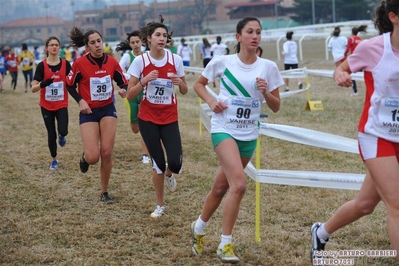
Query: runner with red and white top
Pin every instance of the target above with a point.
(50, 80)
(93, 74)
(132, 45)
(378, 132)
(158, 72)
(351, 46)
(13, 62)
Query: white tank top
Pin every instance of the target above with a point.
(381, 113)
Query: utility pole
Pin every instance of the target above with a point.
(333, 11)
(73, 11)
(46, 7)
(313, 13)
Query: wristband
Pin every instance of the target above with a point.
(141, 83)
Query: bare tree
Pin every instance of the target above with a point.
(196, 14)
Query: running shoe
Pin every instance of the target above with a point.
(61, 140)
(54, 165)
(170, 183)
(158, 212)
(227, 254)
(317, 244)
(197, 241)
(145, 159)
(287, 89)
(106, 198)
(84, 166)
(300, 85)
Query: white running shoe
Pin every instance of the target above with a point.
(170, 183)
(145, 159)
(158, 212)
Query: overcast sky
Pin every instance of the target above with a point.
(16, 9)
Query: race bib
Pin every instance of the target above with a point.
(54, 92)
(25, 61)
(160, 91)
(388, 115)
(242, 113)
(13, 63)
(100, 88)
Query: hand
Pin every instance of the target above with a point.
(261, 85)
(342, 78)
(46, 83)
(175, 79)
(122, 93)
(84, 107)
(150, 77)
(216, 106)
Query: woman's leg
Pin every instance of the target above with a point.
(49, 121)
(230, 176)
(385, 174)
(364, 204)
(107, 141)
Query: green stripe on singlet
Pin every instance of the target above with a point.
(236, 83)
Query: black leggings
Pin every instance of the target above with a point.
(169, 134)
(49, 120)
(14, 78)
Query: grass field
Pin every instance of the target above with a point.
(56, 218)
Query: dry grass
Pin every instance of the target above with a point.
(55, 217)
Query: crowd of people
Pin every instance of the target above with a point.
(151, 74)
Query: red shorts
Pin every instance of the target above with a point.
(371, 147)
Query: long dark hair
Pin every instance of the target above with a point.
(240, 25)
(361, 28)
(149, 29)
(380, 17)
(125, 45)
(80, 39)
(206, 42)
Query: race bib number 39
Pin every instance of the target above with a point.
(100, 88)
(242, 113)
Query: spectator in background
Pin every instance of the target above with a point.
(3, 68)
(337, 46)
(205, 53)
(26, 58)
(185, 52)
(171, 46)
(13, 62)
(37, 54)
(219, 48)
(350, 47)
(290, 49)
(68, 54)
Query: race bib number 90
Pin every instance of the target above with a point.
(100, 88)
(242, 113)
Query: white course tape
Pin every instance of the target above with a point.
(309, 137)
(306, 178)
(330, 73)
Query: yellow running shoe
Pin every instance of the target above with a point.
(197, 241)
(227, 254)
